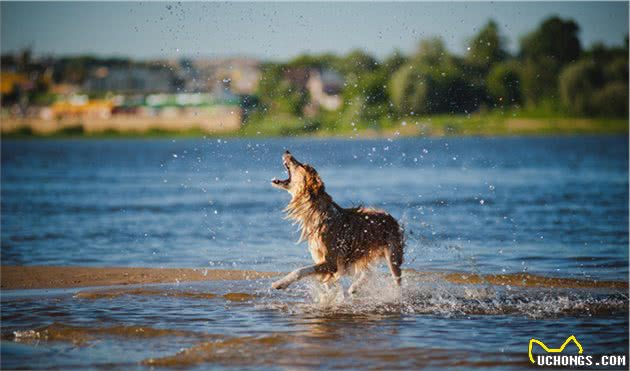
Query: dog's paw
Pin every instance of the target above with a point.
(354, 289)
(280, 285)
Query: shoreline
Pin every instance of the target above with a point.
(493, 124)
(55, 277)
(323, 136)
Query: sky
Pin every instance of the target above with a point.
(278, 31)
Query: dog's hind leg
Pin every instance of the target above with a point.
(298, 274)
(362, 277)
(394, 257)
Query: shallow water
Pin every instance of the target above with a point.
(554, 207)
(243, 323)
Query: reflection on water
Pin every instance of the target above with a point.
(114, 293)
(83, 335)
(432, 323)
(110, 294)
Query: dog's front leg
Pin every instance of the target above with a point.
(300, 273)
(296, 275)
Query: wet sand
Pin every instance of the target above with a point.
(41, 277)
(531, 280)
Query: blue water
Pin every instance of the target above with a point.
(553, 206)
(557, 206)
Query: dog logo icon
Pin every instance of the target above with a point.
(553, 350)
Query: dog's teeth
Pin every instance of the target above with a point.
(274, 179)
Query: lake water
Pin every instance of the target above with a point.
(554, 207)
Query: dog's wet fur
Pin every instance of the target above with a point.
(341, 241)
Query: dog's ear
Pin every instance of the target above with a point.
(314, 183)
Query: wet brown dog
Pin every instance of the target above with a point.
(341, 241)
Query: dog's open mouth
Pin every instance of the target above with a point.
(283, 183)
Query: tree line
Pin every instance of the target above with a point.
(550, 74)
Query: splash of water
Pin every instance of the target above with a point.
(440, 294)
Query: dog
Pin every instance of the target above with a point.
(341, 241)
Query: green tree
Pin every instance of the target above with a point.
(596, 85)
(365, 92)
(617, 69)
(404, 90)
(431, 52)
(504, 83)
(433, 81)
(555, 38)
(545, 51)
(394, 62)
(612, 100)
(277, 94)
(356, 62)
(487, 47)
(313, 61)
(578, 82)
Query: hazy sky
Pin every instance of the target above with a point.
(282, 30)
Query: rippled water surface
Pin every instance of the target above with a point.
(552, 207)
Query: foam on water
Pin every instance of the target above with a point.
(433, 295)
(448, 294)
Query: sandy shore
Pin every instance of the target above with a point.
(38, 277)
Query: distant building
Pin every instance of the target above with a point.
(79, 107)
(298, 76)
(191, 79)
(324, 87)
(12, 81)
(65, 89)
(129, 80)
(242, 75)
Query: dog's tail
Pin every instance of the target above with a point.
(394, 256)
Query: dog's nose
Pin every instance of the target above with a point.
(286, 157)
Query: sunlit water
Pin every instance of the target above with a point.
(554, 207)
